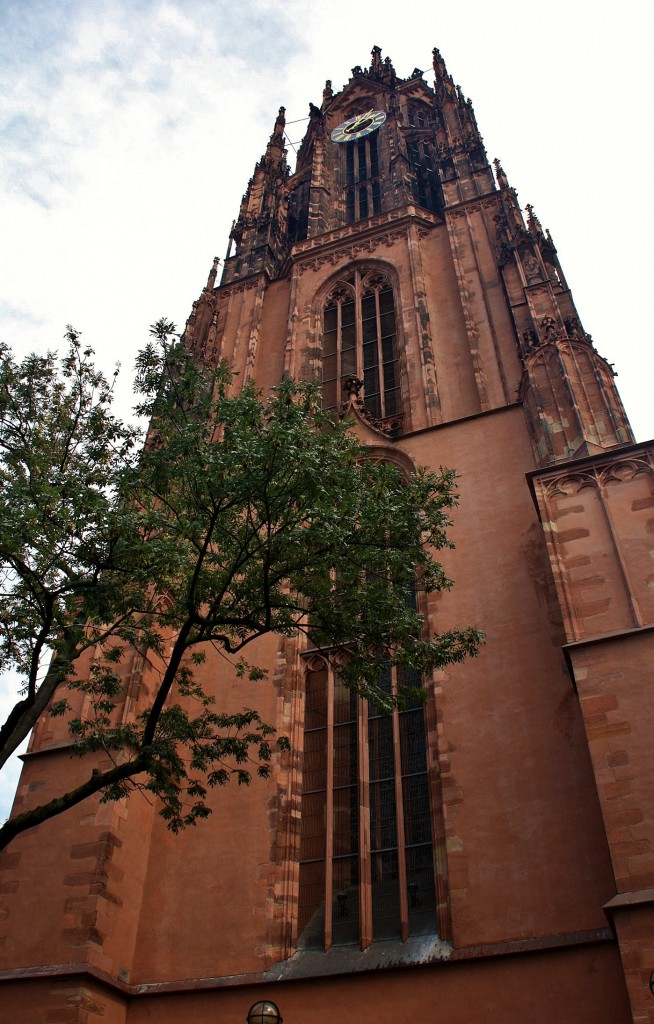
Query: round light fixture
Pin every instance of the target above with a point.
(264, 1012)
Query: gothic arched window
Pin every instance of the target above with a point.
(366, 849)
(359, 341)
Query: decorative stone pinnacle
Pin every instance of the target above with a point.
(280, 123)
(502, 179)
(533, 222)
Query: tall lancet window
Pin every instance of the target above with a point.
(362, 192)
(359, 341)
(366, 854)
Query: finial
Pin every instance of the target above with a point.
(212, 273)
(280, 123)
(376, 58)
(439, 64)
(275, 150)
(443, 82)
(533, 223)
(327, 92)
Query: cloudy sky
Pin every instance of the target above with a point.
(130, 128)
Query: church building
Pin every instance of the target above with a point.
(489, 857)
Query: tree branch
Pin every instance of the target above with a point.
(97, 781)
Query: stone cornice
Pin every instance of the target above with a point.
(444, 955)
(332, 241)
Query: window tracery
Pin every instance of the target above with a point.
(366, 849)
(360, 341)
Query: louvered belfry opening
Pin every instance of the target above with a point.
(363, 189)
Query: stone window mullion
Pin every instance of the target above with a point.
(360, 340)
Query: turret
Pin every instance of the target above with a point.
(464, 168)
(260, 233)
(572, 406)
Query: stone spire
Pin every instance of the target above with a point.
(259, 233)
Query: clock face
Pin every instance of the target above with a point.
(357, 127)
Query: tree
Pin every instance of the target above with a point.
(239, 516)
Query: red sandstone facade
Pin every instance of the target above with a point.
(538, 753)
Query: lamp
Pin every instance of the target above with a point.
(264, 1012)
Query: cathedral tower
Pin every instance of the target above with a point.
(490, 856)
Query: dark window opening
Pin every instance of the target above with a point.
(363, 876)
(422, 160)
(363, 190)
(298, 213)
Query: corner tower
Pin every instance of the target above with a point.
(493, 854)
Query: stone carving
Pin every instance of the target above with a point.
(549, 329)
(503, 249)
(572, 327)
(502, 179)
(373, 283)
(340, 293)
(602, 473)
(354, 404)
(241, 286)
(570, 483)
(533, 223)
(626, 469)
(305, 246)
(351, 251)
(353, 386)
(504, 254)
(530, 263)
(512, 211)
(530, 339)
